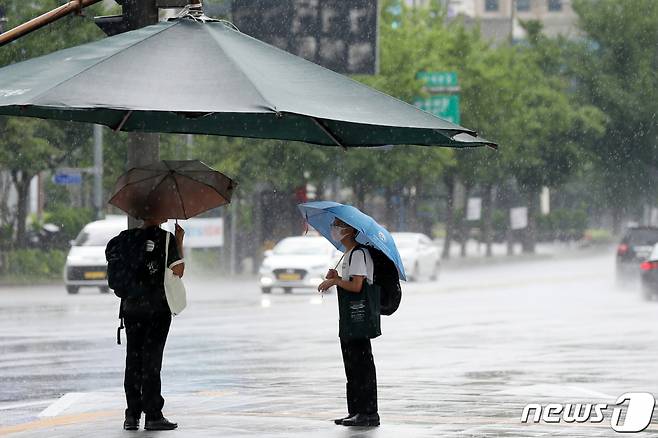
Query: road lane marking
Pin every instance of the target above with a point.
(9, 407)
(67, 420)
(65, 402)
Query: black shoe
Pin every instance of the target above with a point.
(339, 421)
(131, 423)
(362, 420)
(161, 424)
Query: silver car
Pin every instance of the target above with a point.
(297, 263)
(85, 263)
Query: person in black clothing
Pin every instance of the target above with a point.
(357, 352)
(147, 319)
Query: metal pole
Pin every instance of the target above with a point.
(142, 148)
(74, 6)
(512, 19)
(190, 145)
(234, 229)
(98, 171)
(3, 19)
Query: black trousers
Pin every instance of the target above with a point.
(361, 376)
(146, 340)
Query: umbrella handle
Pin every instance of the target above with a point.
(338, 264)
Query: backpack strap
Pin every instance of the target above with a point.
(361, 248)
(356, 248)
(121, 326)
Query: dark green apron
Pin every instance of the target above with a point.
(359, 312)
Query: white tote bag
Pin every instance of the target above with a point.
(174, 287)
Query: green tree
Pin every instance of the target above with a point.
(616, 71)
(549, 129)
(29, 146)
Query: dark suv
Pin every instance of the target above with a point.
(635, 247)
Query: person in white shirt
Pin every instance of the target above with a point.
(357, 353)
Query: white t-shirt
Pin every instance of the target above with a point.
(362, 264)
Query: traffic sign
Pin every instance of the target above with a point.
(445, 106)
(439, 80)
(71, 178)
(518, 217)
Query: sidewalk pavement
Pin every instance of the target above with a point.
(236, 414)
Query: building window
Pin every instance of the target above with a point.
(522, 5)
(555, 5)
(491, 5)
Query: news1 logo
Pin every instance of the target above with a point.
(631, 412)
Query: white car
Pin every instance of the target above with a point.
(420, 255)
(297, 263)
(85, 263)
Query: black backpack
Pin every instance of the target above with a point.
(386, 277)
(126, 265)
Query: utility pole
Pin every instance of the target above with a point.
(3, 19)
(143, 148)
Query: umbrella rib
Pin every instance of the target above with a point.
(244, 74)
(328, 133)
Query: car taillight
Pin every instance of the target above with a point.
(648, 266)
(622, 249)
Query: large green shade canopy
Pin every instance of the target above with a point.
(185, 76)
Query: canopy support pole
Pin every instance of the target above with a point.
(74, 6)
(123, 121)
(328, 133)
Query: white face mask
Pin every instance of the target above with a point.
(338, 233)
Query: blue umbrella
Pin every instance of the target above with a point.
(321, 214)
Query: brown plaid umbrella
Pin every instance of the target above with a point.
(171, 190)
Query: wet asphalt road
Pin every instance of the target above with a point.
(460, 358)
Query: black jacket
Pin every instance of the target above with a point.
(153, 302)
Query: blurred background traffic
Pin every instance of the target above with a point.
(543, 78)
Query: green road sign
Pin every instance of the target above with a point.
(445, 106)
(439, 80)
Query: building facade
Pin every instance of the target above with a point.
(498, 19)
